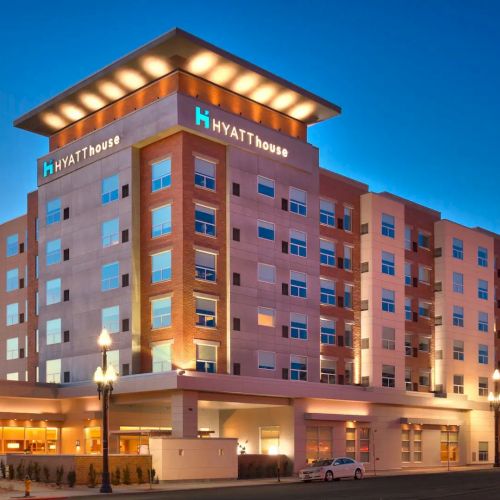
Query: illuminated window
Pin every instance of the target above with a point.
(206, 358)
(161, 266)
(110, 319)
(388, 225)
(327, 252)
(109, 189)
(350, 442)
(298, 326)
(53, 211)
(266, 360)
(12, 348)
(110, 274)
(265, 316)
(161, 221)
(364, 444)
(12, 280)
(388, 263)
(327, 331)
(204, 174)
(449, 445)
(265, 186)
(205, 265)
(298, 201)
(265, 230)
(318, 443)
(12, 247)
(328, 370)
(53, 371)
(110, 230)
(417, 445)
(161, 354)
(161, 175)
(204, 220)
(161, 312)
(54, 331)
(53, 252)
(53, 291)
(327, 213)
(298, 243)
(298, 284)
(12, 315)
(206, 312)
(92, 440)
(12, 376)
(405, 445)
(269, 440)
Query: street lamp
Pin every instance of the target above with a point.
(104, 377)
(494, 400)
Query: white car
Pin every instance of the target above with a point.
(333, 468)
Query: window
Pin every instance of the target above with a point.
(408, 381)
(266, 273)
(458, 249)
(347, 258)
(53, 291)
(206, 312)
(265, 186)
(348, 334)
(12, 348)
(483, 386)
(327, 252)
(161, 221)
(12, 245)
(482, 289)
(161, 266)
(424, 344)
(458, 350)
(110, 230)
(388, 300)
(388, 263)
(298, 284)
(12, 280)
(298, 201)
(388, 338)
(269, 439)
(161, 174)
(424, 274)
(110, 319)
(53, 211)
(458, 282)
(417, 445)
(162, 357)
(328, 369)
(364, 444)
(388, 225)
(458, 316)
(205, 265)
(265, 230)
(424, 378)
(482, 321)
(327, 213)
(266, 360)
(206, 358)
(408, 273)
(298, 243)
(350, 442)
(298, 368)
(327, 292)
(204, 220)
(161, 313)
(110, 276)
(424, 309)
(318, 443)
(458, 384)
(408, 311)
(12, 316)
(388, 376)
(347, 219)
(482, 449)
(348, 295)
(54, 331)
(449, 444)
(405, 443)
(482, 354)
(265, 316)
(482, 257)
(348, 372)
(12, 376)
(408, 240)
(204, 173)
(53, 371)
(109, 189)
(408, 344)
(298, 326)
(327, 330)
(424, 240)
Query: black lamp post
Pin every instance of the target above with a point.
(104, 377)
(494, 399)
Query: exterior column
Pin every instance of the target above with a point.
(299, 434)
(184, 410)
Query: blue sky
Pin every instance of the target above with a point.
(418, 82)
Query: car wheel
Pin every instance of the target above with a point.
(358, 474)
(329, 476)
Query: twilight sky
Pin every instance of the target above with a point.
(418, 82)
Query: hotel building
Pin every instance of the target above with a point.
(249, 292)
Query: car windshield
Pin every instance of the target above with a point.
(321, 463)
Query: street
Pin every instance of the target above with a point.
(471, 485)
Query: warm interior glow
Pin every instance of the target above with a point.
(13, 446)
(72, 112)
(202, 63)
(491, 397)
(284, 100)
(92, 101)
(245, 83)
(263, 94)
(273, 450)
(496, 375)
(104, 339)
(222, 73)
(155, 66)
(54, 121)
(98, 375)
(111, 90)
(301, 111)
(130, 78)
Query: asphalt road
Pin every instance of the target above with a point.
(471, 485)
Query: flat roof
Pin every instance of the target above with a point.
(175, 50)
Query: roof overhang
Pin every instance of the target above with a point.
(175, 50)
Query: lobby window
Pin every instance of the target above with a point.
(53, 211)
(458, 249)
(266, 273)
(266, 360)
(405, 442)
(327, 292)
(388, 338)
(350, 442)
(110, 274)
(53, 252)
(206, 312)
(204, 173)
(265, 186)
(482, 386)
(298, 201)
(347, 218)
(449, 444)
(424, 274)
(266, 316)
(298, 368)
(482, 354)
(298, 284)
(109, 189)
(348, 295)
(12, 245)
(298, 326)
(327, 252)
(161, 221)
(388, 225)
(458, 316)
(482, 321)
(417, 445)
(388, 300)
(388, 263)
(482, 257)
(298, 243)
(161, 173)
(110, 319)
(161, 355)
(161, 266)
(53, 291)
(458, 384)
(12, 315)
(265, 230)
(482, 451)
(269, 439)
(458, 282)
(424, 240)
(206, 358)
(482, 289)
(110, 230)
(53, 371)
(204, 220)
(92, 440)
(327, 331)
(328, 369)
(408, 311)
(408, 381)
(327, 212)
(347, 258)
(364, 444)
(388, 376)
(318, 443)
(408, 239)
(458, 350)
(408, 273)
(12, 280)
(348, 327)
(205, 263)
(408, 344)
(424, 343)
(54, 329)
(424, 309)
(161, 313)
(12, 350)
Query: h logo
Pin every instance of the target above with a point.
(48, 168)
(202, 117)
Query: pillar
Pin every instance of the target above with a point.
(299, 434)
(184, 409)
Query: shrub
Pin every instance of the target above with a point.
(59, 475)
(92, 476)
(151, 475)
(20, 471)
(29, 470)
(138, 471)
(3, 469)
(116, 477)
(11, 471)
(71, 478)
(126, 475)
(36, 472)
(46, 474)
